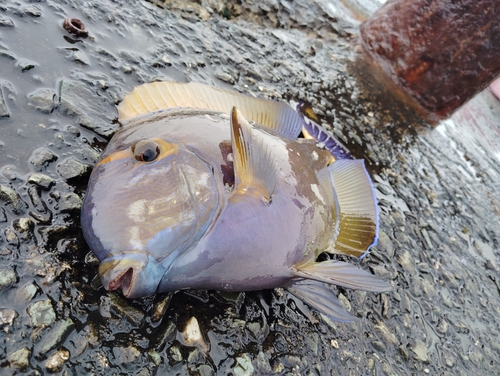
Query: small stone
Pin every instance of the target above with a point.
(175, 353)
(223, 76)
(23, 225)
(154, 357)
(71, 168)
(4, 110)
(56, 361)
(41, 157)
(192, 334)
(443, 327)
(7, 316)
(42, 180)
(386, 333)
(20, 358)
(406, 262)
(421, 352)
(11, 237)
(345, 302)
(243, 366)
(41, 313)
(160, 307)
(8, 277)
(25, 64)
(27, 292)
(42, 100)
(123, 309)
(205, 370)
(32, 10)
(125, 355)
(78, 57)
(56, 336)
(11, 199)
(379, 346)
(6, 22)
(262, 365)
(70, 202)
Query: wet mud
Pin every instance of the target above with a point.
(437, 187)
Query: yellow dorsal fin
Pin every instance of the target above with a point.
(255, 170)
(160, 96)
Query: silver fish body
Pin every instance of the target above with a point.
(162, 212)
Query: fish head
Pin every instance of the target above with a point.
(146, 203)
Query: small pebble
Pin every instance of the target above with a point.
(56, 361)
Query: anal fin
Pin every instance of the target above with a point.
(255, 170)
(342, 274)
(318, 296)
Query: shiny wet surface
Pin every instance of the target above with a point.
(438, 190)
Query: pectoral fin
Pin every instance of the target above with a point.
(318, 296)
(255, 171)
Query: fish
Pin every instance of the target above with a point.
(205, 188)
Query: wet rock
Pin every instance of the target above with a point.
(262, 365)
(56, 361)
(379, 346)
(386, 333)
(42, 100)
(120, 307)
(154, 357)
(26, 64)
(405, 259)
(27, 292)
(7, 316)
(8, 277)
(160, 307)
(6, 22)
(243, 366)
(20, 359)
(24, 226)
(175, 353)
(78, 99)
(191, 335)
(42, 180)
(421, 352)
(41, 313)
(4, 110)
(41, 158)
(166, 334)
(32, 11)
(71, 168)
(11, 237)
(11, 199)
(224, 76)
(56, 336)
(69, 202)
(76, 55)
(125, 354)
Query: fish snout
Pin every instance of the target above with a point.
(136, 274)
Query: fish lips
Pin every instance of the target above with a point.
(136, 274)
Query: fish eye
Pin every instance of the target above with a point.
(146, 151)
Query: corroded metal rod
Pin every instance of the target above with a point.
(442, 52)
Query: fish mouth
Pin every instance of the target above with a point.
(136, 274)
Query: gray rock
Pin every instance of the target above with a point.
(6, 22)
(42, 180)
(205, 370)
(244, 366)
(11, 199)
(11, 237)
(126, 354)
(123, 309)
(78, 99)
(41, 157)
(4, 110)
(41, 313)
(175, 353)
(154, 357)
(32, 10)
(56, 361)
(8, 277)
(20, 358)
(56, 336)
(224, 76)
(71, 168)
(27, 292)
(69, 202)
(7, 316)
(42, 100)
(26, 64)
(421, 352)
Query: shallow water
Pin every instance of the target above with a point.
(438, 190)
